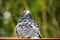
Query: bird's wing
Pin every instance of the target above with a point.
(18, 29)
(36, 28)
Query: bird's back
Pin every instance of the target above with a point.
(27, 28)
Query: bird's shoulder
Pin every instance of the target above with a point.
(29, 22)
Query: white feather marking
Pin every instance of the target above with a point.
(27, 11)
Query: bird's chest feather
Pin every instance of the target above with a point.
(26, 28)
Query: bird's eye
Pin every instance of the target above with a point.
(19, 25)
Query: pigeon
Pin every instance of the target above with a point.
(27, 27)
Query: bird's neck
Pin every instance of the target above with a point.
(27, 17)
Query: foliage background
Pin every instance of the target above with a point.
(45, 12)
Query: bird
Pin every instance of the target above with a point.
(27, 27)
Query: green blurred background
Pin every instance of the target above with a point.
(45, 12)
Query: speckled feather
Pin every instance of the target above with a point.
(27, 28)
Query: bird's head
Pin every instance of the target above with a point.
(26, 14)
